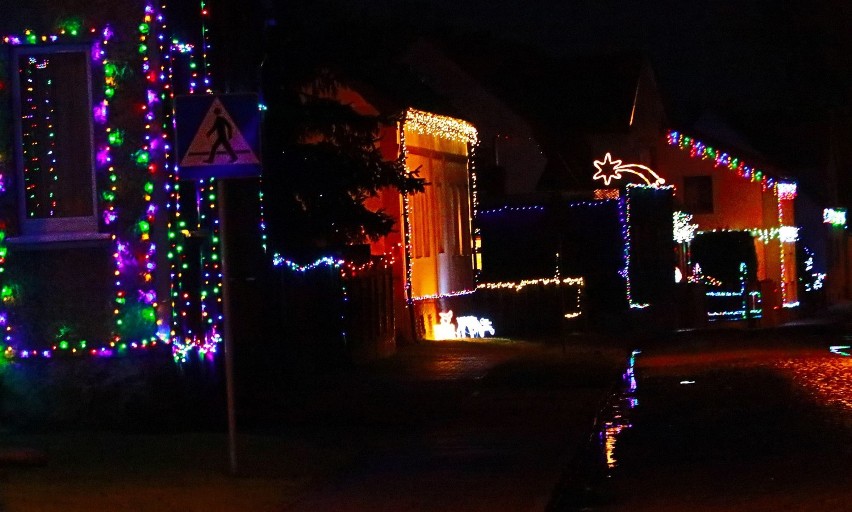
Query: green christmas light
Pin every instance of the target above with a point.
(142, 158)
(149, 314)
(71, 26)
(116, 138)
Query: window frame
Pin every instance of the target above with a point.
(49, 229)
(694, 207)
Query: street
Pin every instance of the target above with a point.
(450, 426)
(710, 421)
(742, 424)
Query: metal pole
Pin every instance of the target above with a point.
(227, 335)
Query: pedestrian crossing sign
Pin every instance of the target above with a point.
(217, 136)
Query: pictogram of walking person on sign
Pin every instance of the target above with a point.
(218, 136)
(223, 130)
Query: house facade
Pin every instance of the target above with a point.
(725, 194)
(433, 244)
(82, 159)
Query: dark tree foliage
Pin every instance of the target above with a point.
(322, 161)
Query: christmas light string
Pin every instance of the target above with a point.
(701, 151)
(196, 300)
(834, 216)
(134, 260)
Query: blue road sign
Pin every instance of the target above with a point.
(218, 136)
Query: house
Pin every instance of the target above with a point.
(604, 104)
(745, 228)
(509, 158)
(110, 268)
(433, 244)
(612, 236)
(82, 158)
(428, 254)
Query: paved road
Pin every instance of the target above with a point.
(738, 426)
(460, 427)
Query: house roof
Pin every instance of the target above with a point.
(597, 93)
(699, 149)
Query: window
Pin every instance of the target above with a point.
(698, 194)
(53, 107)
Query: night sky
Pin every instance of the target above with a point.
(736, 56)
(779, 71)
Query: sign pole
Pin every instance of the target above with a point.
(209, 127)
(227, 334)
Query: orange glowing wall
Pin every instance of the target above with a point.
(439, 218)
(738, 204)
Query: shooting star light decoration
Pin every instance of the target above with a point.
(609, 169)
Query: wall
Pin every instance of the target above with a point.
(738, 204)
(440, 217)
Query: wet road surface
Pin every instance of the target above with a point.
(742, 428)
(458, 427)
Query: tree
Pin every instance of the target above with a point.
(321, 155)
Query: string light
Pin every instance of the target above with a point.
(609, 169)
(683, 229)
(449, 128)
(195, 279)
(520, 285)
(578, 282)
(745, 309)
(787, 191)
(601, 194)
(447, 295)
(817, 280)
(701, 151)
(504, 209)
(834, 216)
(624, 217)
(765, 235)
(135, 299)
(445, 127)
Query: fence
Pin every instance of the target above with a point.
(335, 313)
(539, 308)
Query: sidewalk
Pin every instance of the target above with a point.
(439, 426)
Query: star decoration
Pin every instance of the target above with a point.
(607, 169)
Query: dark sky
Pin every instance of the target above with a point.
(741, 54)
(735, 55)
(776, 70)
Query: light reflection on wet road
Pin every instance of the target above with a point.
(744, 429)
(827, 380)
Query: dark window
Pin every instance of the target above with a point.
(53, 107)
(698, 194)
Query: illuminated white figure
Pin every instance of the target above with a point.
(609, 169)
(472, 327)
(834, 216)
(445, 330)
